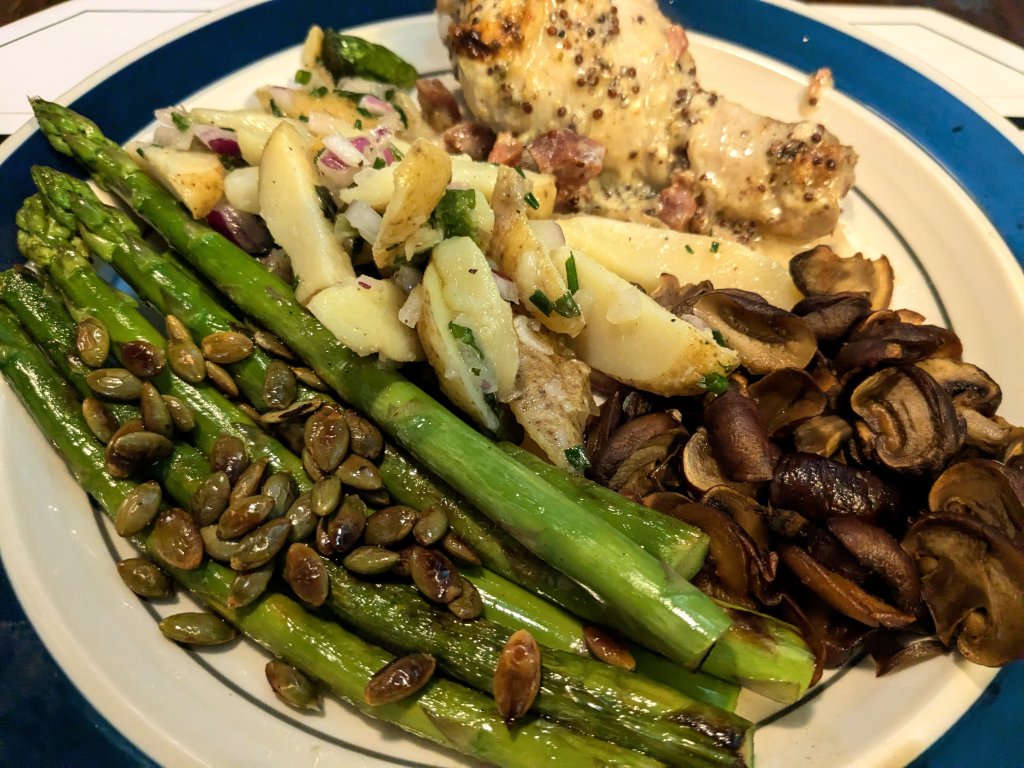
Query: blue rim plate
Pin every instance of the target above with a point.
(977, 153)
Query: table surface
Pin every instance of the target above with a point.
(93, 33)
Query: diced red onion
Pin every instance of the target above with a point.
(507, 288)
(246, 230)
(362, 85)
(345, 150)
(334, 172)
(388, 155)
(366, 220)
(376, 106)
(362, 143)
(283, 97)
(220, 140)
(548, 232)
(411, 310)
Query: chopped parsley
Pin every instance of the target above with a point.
(358, 124)
(714, 247)
(715, 383)
(454, 213)
(303, 118)
(379, 162)
(531, 200)
(180, 121)
(303, 76)
(571, 278)
(577, 458)
(465, 336)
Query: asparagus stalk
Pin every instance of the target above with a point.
(680, 621)
(444, 712)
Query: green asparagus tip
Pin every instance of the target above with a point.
(59, 123)
(40, 235)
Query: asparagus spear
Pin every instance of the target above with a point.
(443, 712)
(680, 621)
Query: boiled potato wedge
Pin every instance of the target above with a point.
(252, 128)
(640, 254)
(195, 177)
(631, 338)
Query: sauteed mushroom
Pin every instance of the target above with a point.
(821, 270)
(787, 397)
(831, 316)
(738, 438)
(820, 488)
(822, 435)
(967, 385)
(985, 490)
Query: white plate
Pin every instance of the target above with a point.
(184, 708)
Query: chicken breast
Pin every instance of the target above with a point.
(620, 73)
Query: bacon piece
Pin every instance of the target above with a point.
(440, 109)
(507, 150)
(571, 158)
(678, 42)
(677, 205)
(473, 139)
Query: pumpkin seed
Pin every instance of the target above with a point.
(99, 420)
(226, 347)
(608, 648)
(292, 434)
(298, 410)
(278, 263)
(279, 385)
(145, 578)
(176, 540)
(142, 358)
(327, 437)
(261, 545)
(468, 605)
(243, 516)
(269, 343)
(455, 546)
(434, 575)
(181, 414)
(310, 465)
(249, 585)
(306, 574)
(365, 439)
(130, 450)
(92, 340)
(211, 498)
(186, 360)
(399, 679)
(138, 508)
(215, 546)
(249, 480)
(176, 330)
(377, 498)
(300, 515)
(252, 413)
(389, 526)
(115, 383)
(221, 379)
(326, 495)
(308, 377)
(193, 628)
(431, 526)
(401, 568)
(155, 413)
(360, 473)
(228, 455)
(370, 561)
(292, 687)
(340, 532)
(116, 464)
(281, 489)
(517, 676)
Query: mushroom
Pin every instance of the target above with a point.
(702, 471)
(884, 339)
(908, 422)
(650, 466)
(971, 577)
(821, 270)
(831, 316)
(787, 397)
(738, 438)
(966, 384)
(985, 490)
(988, 435)
(676, 297)
(765, 337)
(626, 439)
(893, 651)
(820, 488)
(879, 552)
(822, 435)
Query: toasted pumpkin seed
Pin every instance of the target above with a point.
(377, 498)
(226, 347)
(261, 545)
(308, 377)
(455, 546)
(193, 628)
(431, 526)
(279, 385)
(269, 343)
(100, 421)
(292, 434)
(365, 439)
(300, 515)
(292, 687)
(176, 330)
(215, 546)
(228, 455)
(468, 605)
(128, 451)
(401, 568)
(181, 414)
(138, 508)
(116, 464)
(310, 465)
(340, 532)
(250, 479)
(211, 498)
(306, 574)
(608, 648)
(434, 575)
(360, 473)
(327, 437)
(517, 676)
(281, 489)
(221, 379)
(155, 413)
(400, 679)
(370, 561)
(298, 410)
(115, 383)
(278, 263)
(326, 495)
(176, 540)
(252, 413)
(92, 340)
(145, 578)
(142, 358)
(243, 516)
(186, 360)
(249, 585)
(389, 526)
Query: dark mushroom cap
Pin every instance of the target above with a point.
(821, 270)
(787, 397)
(831, 316)
(823, 435)
(765, 337)
(878, 551)
(971, 581)
(701, 469)
(884, 338)
(819, 488)
(967, 385)
(908, 422)
(984, 489)
(626, 439)
(738, 438)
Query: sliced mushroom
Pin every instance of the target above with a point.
(787, 397)
(738, 439)
(822, 270)
(818, 541)
(983, 433)
(832, 636)
(650, 467)
(676, 297)
(831, 316)
(966, 384)
(983, 489)
(971, 577)
(822, 435)
(702, 471)
(765, 337)
(626, 439)
(893, 651)
(908, 422)
(878, 551)
(884, 339)
(820, 488)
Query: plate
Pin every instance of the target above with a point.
(936, 191)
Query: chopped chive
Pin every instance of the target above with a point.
(540, 300)
(399, 155)
(571, 278)
(275, 110)
(364, 112)
(358, 124)
(688, 248)
(319, 93)
(566, 306)
(303, 76)
(520, 171)
(180, 121)
(715, 383)
(402, 115)
(303, 118)
(531, 200)
(714, 247)
(718, 337)
(577, 458)
(379, 163)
